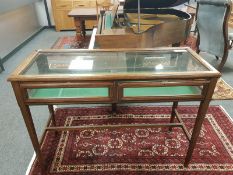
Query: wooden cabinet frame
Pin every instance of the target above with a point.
(207, 80)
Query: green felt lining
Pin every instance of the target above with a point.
(68, 92)
(161, 91)
(108, 21)
(103, 92)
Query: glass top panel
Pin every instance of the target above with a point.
(106, 62)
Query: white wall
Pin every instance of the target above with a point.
(40, 8)
(50, 12)
(41, 13)
(16, 26)
(9, 5)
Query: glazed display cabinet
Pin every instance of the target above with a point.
(50, 77)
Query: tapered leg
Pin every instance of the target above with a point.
(174, 106)
(83, 29)
(26, 113)
(196, 130)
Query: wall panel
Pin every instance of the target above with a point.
(8, 5)
(16, 26)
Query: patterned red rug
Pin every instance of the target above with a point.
(70, 42)
(137, 151)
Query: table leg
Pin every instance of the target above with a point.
(26, 113)
(174, 106)
(80, 31)
(83, 29)
(77, 26)
(208, 90)
(196, 130)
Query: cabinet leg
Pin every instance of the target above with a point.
(196, 130)
(26, 113)
(174, 106)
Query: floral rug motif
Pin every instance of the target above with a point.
(133, 151)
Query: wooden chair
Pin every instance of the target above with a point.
(109, 21)
(104, 5)
(107, 18)
(212, 25)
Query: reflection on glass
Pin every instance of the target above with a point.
(80, 64)
(114, 62)
(159, 67)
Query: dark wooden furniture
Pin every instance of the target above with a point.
(143, 25)
(114, 76)
(80, 15)
(61, 8)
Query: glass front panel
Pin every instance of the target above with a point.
(45, 93)
(80, 63)
(161, 91)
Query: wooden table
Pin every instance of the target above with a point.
(52, 77)
(80, 15)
